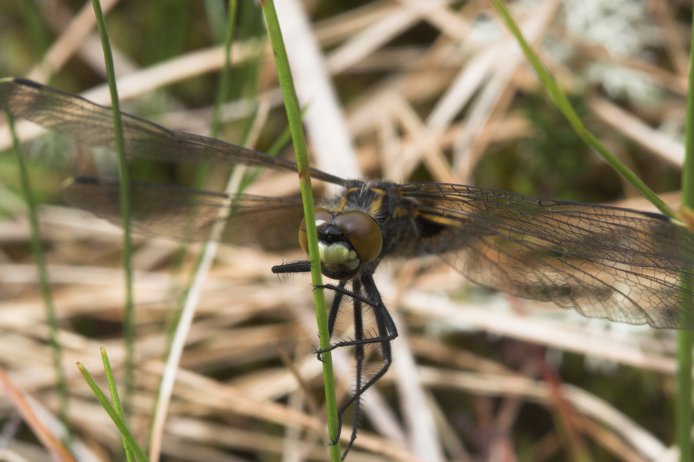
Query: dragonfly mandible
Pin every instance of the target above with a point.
(606, 262)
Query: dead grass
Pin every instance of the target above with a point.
(426, 88)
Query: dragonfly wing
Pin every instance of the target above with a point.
(607, 262)
(188, 214)
(92, 124)
(270, 222)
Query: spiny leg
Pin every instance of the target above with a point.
(359, 363)
(340, 291)
(386, 333)
(385, 323)
(386, 329)
(335, 308)
(355, 294)
(303, 266)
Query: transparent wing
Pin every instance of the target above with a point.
(92, 124)
(188, 214)
(607, 262)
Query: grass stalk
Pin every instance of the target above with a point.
(291, 105)
(562, 102)
(224, 86)
(115, 399)
(129, 318)
(128, 438)
(223, 91)
(44, 284)
(685, 339)
(202, 264)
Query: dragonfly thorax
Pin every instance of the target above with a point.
(346, 242)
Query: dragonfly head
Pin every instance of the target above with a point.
(346, 242)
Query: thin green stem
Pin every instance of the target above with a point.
(224, 87)
(201, 268)
(129, 318)
(572, 117)
(291, 105)
(223, 90)
(127, 436)
(46, 293)
(685, 339)
(115, 399)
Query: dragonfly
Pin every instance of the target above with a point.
(605, 262)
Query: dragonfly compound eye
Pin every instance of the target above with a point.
(363, 233)
(323, 218)
(346, 241)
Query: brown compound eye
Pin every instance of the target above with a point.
(363, 233)
(323, 217)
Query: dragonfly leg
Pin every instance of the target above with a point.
(375, 302)
(292, 267)
(385, 324)
(332, 315)
(386, 333)
(335, 308)
(340, 291)
(350, 293)
(359, 366)
(363, 291)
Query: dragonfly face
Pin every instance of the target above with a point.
(361, 226)
(606, 262)
(346, 242)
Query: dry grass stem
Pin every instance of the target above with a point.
(402, 90)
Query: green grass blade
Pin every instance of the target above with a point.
(126, 435)
(572, 117)
(685, 339)
(294, 116)
(129, 319)
(115, 399)
(224, 88)
(38, 31)
(202, 264)
(46, 293)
